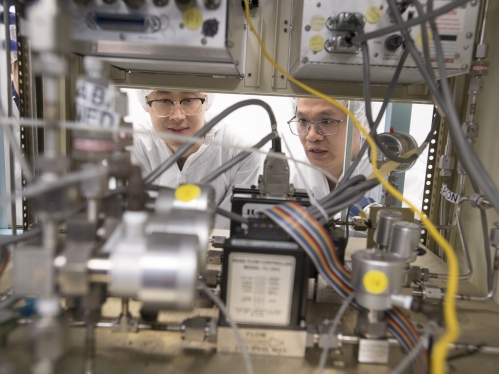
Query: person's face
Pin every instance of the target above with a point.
(177, 122)
(326, 152)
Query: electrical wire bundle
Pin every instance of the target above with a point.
(313, 238)
(445, 106)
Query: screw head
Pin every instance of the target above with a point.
(318, 5)
(376, 54)
(469, 35)
(203, 41)
(464, 67)
(474, 2)
(307, 28)
(304, 60)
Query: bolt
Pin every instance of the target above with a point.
(282, 76)
(181, 25)
(285, 21)
(318, 5)
(464, 67)
(469, 35)
(285, 30)
(307, 28)
(474, 2)
(203, 41)
(236, 62)
(249, 74)
(376, 54)
(304, 60)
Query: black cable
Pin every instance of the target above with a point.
(468, 157)
(30, 234)
(240, 157)
(345, 203)
(232, 216)
(470, 352)
(368, 100)
(386, 100)
(424, 34)
(205, 129)
(339, 189)
(405, 25)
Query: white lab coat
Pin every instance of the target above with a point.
(149, 151)
(317, 181)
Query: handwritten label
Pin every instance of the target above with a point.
(449, 195)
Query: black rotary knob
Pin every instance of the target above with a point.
(393, 42)
(210, 27)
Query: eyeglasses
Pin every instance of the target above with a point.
(164, 107)
(324, 127)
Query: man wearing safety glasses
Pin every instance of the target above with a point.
(322, 130)
(183, 113)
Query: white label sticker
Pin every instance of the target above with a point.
(94, 95)
(452, 21)
(267, 342)
(94, 105)
(449, 195)
(260, 288)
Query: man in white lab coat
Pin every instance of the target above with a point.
(183, 113)
(322, 128)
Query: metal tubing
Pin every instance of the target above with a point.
(89, 359)
(6, 22)
(464, 245)
(484, 23)
(492, 289)
(98, 270)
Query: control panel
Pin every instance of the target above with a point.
(175, 36)
(322, 46)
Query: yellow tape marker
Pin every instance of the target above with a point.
(419, 39)
(375, 282)
(373, 14)
(316, 43)
(193, 18)
(317, 22)
(187, 192)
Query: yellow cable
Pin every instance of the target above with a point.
(452, 332)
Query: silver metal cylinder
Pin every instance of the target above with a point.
(399, 143)
(376, 275)
(187, 222)
(405, 240)
(384, 225)
(165, 274)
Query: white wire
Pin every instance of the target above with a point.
(163, 135)
(311, 197)
(332, 330)
(219, 303)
